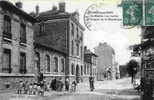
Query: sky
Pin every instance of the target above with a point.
(111, 32)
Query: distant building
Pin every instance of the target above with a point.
(16, 45)
(89, 63)
(62, 33)
(105, 62)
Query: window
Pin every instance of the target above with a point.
(77, 31)
(72, 48)
(72, 69)
(42, 28)
(7, 27)
(22, 33)
(81, 70)
(81, 51)
(81, 38)
(6, 61)
(85, 69)
(56, 64)
(77, 49)
(72, 29)
(37, 61)
(22, 69)
(88, 70)
(47, 59)
(63, 65)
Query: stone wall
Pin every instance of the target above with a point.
(12, 81)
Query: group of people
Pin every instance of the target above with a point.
(73, 85)
(38, 88)
(56, 85)
(31, 88)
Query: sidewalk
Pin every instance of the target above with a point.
(113, 88)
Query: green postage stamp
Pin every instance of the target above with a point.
(132, 13)
(138, 12)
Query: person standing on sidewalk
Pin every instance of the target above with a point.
(73, 86)
(91, 83)
(67, 84)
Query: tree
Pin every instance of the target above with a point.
(147, 40)
(132, 68)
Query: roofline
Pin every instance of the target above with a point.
(69, 16)
(52, 49)
(91, 54)
(11, 7)
(76, 21)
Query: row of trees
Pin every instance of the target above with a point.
(143, 50)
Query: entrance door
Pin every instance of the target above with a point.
(77, 74)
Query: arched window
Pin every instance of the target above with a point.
(81, 70)
(47, 58)
(7, 27)
(72, 69)
(63, 65)
(37, 61)
(72, 48)
(72, 29)
(56, 64)
(77, 49)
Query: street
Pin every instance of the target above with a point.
(104, 90)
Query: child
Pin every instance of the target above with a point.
(30, 88)
(73, 86)
(20, 87)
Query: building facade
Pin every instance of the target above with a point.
(16, 45)
(105, 62)
(64, 34)
(90, 59)
(48, 60)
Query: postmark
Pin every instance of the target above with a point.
(99, 15)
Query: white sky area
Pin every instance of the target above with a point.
(111, 32)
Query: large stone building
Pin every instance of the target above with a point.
(16, 45)
(106, 65)
(62, 33)
(89, 63)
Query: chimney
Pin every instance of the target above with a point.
(62, 6)
(37, 10)
(54, 8)
(19, 4)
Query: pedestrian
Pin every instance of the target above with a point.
(67, 84)
(35, 88)
(53, 84)
(20, 87)
(30, 88)
(73, 86)
(48, 86)
(91, 83)
(26, 87)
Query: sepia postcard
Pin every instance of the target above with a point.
(76, 49)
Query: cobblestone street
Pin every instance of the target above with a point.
(104, 90)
